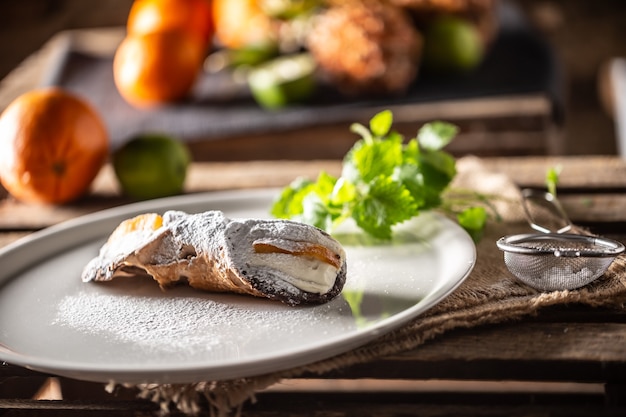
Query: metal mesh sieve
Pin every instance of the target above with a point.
(552, 261)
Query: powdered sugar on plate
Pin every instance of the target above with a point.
(188, 323)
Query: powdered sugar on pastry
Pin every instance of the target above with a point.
(278, 259)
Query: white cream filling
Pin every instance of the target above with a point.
(306, 273)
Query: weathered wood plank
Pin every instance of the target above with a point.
(504, 129)
(591, 172)
(205, 177)
(546, 341)
(577, 172)
(589, 352)
(439, 404)
(429, 405)
(601, 208)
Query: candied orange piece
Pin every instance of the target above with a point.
(147, 222)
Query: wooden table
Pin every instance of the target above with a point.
(566, 361)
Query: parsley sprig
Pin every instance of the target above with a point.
(384, 181)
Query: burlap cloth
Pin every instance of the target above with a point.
(489, 295)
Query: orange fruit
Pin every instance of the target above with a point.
(154, 68)
(242, 23)
(52, 145)
(194, 16)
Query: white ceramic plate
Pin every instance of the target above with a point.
(131, 331)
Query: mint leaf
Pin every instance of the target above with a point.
(433, 173)
(381, 123)
(386, 203)
(426, 173)
(289, 203)
(440, 162)
(473, 220)
(367, 160)
(325, 185)
(315, 212)
(552, 179)
(411, 152)
(411, 177)
(344, 192)
(436, 135)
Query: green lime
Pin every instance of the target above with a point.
(283, 81)
(250, 55)
(452, 44)
(151, 166)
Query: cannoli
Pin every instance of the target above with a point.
(278, 259)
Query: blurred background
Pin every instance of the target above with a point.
(584, 35)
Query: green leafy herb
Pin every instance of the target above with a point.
(552, 179)
(385, 181)
(473, 220)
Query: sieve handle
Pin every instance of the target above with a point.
(530, 195)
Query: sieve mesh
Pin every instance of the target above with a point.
(551, 262)
(550, 273)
